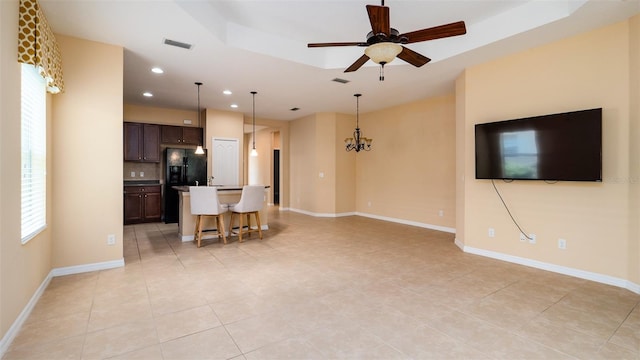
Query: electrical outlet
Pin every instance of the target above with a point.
(441, 213)
(492, 232)
(369, 203)
(562, 244)
(532, 238)
(522, 237)
(141, 173)
(111, 239)
(133, 174)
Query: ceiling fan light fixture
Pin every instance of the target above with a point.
(383, 52)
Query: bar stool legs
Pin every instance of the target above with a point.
(219, 228)
(241, 224)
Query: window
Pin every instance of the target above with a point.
(34, 153)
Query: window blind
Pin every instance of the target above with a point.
(33, 153)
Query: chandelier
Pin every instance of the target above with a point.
(357, 142)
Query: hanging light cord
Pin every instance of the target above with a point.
(254, 118)
(357, 110)
(198, 84)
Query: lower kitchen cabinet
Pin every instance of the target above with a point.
(142, 204)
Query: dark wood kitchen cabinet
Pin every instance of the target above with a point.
(141, 142)
(181, 135)
(142, 204)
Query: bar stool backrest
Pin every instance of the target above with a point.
(204, 201)
(251, 199)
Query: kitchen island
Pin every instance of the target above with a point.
(226, 195)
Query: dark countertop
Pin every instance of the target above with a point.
(141, 182)
(185, 188)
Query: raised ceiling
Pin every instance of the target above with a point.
(261, 45)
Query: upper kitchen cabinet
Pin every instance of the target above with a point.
(141, 142)
(181, 135)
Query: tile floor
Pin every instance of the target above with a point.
(318, 288)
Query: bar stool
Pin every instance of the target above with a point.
(204, 202)
(251, 201)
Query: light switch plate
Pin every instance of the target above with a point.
(133, 174)
(141, 173)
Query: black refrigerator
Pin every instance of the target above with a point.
(183, 167)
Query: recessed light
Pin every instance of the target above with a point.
(147, 94)
(234, 105)
(157, 70)
(227, 92)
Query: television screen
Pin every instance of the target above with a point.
(557, 147)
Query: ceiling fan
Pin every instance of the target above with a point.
(384, 43)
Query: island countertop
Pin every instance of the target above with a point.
(227, 195)
(185, 188)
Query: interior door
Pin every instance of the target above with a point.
(226, 155)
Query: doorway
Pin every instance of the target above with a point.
(276, 176)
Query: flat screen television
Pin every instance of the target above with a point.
(557, 147)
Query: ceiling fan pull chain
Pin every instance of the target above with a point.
(381, 72)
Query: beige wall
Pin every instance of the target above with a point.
(321, 173)
(87, 154)
(409, 174)
(585, 71)
(324, 171)
(345, 166)
(157, 115)
(22, 267)
(84, 194)
(302, 160)
(227, 125)
(634, 150)
(461, 150)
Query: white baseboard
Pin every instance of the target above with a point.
(328, 215)
(10, 335)
(408, 222)
(78, 269)
(378, 217)
(459, 243)
(582, 274)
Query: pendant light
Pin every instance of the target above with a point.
(254, 152)
(199, 149)
(358, 142)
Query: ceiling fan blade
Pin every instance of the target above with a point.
(413, 57)
(437, 32)
(312, 45)
(356, 65)
(379, 19)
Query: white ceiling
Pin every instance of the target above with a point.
(244, 45)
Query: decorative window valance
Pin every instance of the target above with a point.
(37, 45)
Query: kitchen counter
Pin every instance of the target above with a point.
(141, 182)
(226, 195)
(220, 187)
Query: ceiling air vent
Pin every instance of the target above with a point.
(177, 44)
(341, 81)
